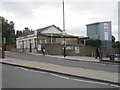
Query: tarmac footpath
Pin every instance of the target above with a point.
(81, 58)
(97, 75)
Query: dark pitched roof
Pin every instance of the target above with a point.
(43, 29)
(27, 32)
(58, 35)
(82, 37)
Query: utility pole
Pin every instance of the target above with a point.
(64, 29)
(3, 46)
(3, 54)
(1, 40)
(63, 18)
(0, 37)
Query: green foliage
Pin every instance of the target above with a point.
(82, 41)
(94, 43)
(113, 38)
(8, 31)
(116, 44)
(18, 33)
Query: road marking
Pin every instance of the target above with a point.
(115, 85)
(24, 69)
(95, 82)
(31, 70)
(59, 76)
(89, 81)
(38, 71)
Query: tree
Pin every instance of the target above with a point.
(113, 38)
(8, 31)
(116, 44)
(94, 42)
(18, 33)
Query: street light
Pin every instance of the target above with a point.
(64, 44)
(1, 40)
(64, 30)
(3, 46)
(2, 49)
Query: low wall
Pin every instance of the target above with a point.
(10, 47)
(116, 50)
(53, 49)
(72, 50)
(27, 50)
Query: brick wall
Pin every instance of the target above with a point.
(57, 49)
(116, 50)
(53, 49)
(10, 47)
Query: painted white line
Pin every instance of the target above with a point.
(30, 70)
(115, 85)
(43, 72)
(89, 81)
(24, 69)
(38, 71)
(69, 78)
(59, 76)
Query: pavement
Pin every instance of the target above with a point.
(84, 58)
(98, 75)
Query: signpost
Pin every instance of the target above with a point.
(106, 34)
(106, 31)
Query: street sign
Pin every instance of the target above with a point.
(77, 49)
(4, 40)
(106, 31)
(39, 47)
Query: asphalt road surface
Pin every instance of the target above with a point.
(58, 61)
(17, 77)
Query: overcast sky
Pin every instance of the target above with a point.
(41, 13)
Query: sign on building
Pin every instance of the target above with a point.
(77, 49)
(106, 31)
(39, 47)
(4, 40)
(69, 47)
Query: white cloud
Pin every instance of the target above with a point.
(48, 15)
(37, 14)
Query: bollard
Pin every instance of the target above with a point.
(112, 57)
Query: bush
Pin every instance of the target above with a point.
(94, 42)
(116, 44)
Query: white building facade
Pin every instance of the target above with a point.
(30, 42)
(27, 42)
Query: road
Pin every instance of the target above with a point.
(58, 61)
(17, 77)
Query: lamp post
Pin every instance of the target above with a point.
(3, 47)
(64, 30)
(3, 55)
(1, 40)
